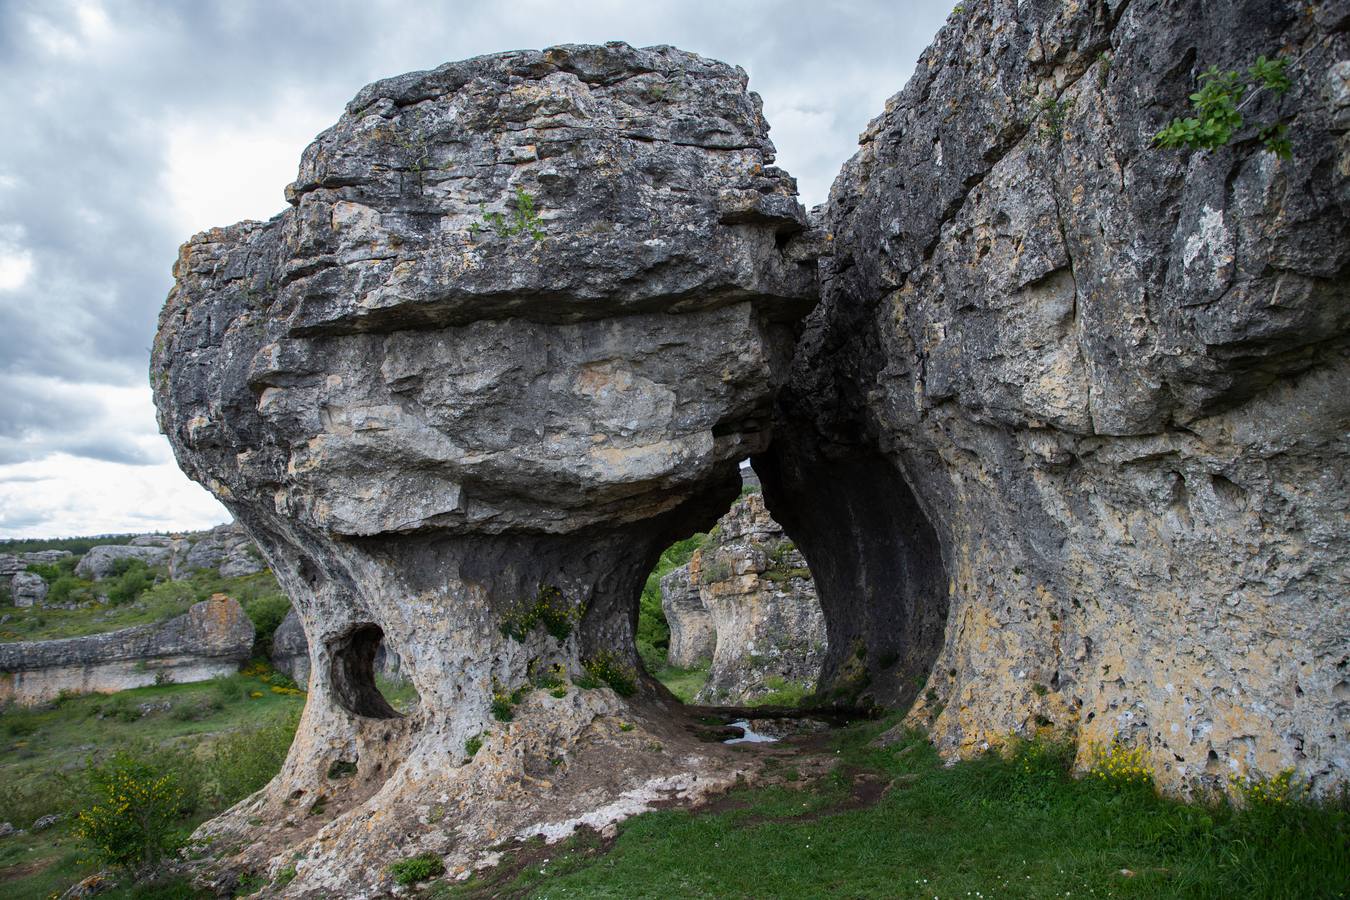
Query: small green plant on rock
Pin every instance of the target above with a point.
(1218, 109)
(417, 868)
(524, 219)
(504, 701)
(607, 667)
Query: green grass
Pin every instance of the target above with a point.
(401, 694)
(989, 827)
(259, 593)
(221, 739)
(783, 692)
(684, 683)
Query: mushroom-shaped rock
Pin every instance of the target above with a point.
(523, 318)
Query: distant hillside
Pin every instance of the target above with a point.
(70, 545)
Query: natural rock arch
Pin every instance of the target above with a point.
(1042, 442)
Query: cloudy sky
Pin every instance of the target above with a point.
(130, 124)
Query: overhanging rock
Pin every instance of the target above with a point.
(524, 317)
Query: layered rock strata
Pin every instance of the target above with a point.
(755, 585)
(522, 319)
(212, 638)
(746, 605)
(1066, 438)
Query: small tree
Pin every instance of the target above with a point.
(131, 822)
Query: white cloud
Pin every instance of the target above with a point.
(16, 260)
(221, 173)
(62, 495)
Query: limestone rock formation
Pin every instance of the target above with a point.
(100, 561)
(523, 318)
(27, 589)
(1067, 435)
(226, 549)
(212, 638)
(692, 638)
(290, 650)
(762, 602)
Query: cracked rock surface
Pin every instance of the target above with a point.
(524, 316)
(1066, 437)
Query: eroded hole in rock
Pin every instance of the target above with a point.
(363, 670)
(730, 618)
(877, 565)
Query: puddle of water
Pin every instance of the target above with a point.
(750, 736)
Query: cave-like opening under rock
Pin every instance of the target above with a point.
(730, 616)
(878, 568)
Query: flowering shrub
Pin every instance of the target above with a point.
(607, 667)
(132, 821)
(1282, 790)
(1118, 764)
(548, 608)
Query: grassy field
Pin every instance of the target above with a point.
(225, 738)
(895, 822)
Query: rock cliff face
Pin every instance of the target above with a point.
(692, 636)
(524, 317)
(749, 588)
(1067, 435)
(212, 638)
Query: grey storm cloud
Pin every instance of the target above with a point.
(84, 159)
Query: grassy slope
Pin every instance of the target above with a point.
(43, 752)
(986, 828)
(162, 601)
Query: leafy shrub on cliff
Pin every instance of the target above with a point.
(1218, 106)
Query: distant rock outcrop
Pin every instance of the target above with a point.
(212, 638)
(27, 589)
(101, 561)
(692, 638)
(762, 604)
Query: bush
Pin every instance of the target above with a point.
(69, 589)
(417, 868)
(52, 571)
(244, 761)
(132, 821)
(606, 667)
(266, 612)
(132, 578)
